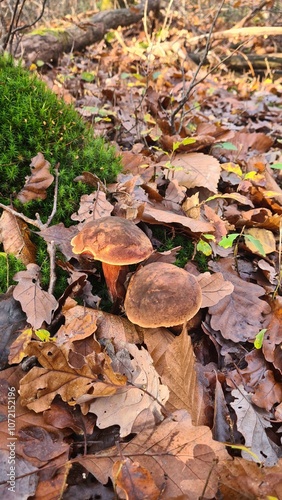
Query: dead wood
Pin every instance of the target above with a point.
(50, 44)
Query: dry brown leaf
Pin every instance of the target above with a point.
(220, 226)
(181, 458)
(244, 480)
(15, 237)
(92, 207)
(67, 373)
(198, 170)
(265, 237)
(35, 302)
(214, 288)
(240, 315)
(40, 179)
(268, 392)
(143, 392)
(271, 346)
(201, 141)
(174, 195)
(252, 422)
(177, 369)
(61, 236)
(158, 215)
(134, 481)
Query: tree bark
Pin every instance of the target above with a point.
(49, 44)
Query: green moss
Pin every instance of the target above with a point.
(33, 120)
(9, 266)
(187, 248)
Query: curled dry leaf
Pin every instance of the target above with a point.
(214, 288)
(35, 302)
(181, 458)
(15, 237)
(143, 392)
(134, 480)
(159, 215)
(40, 179)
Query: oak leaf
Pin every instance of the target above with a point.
(143, 391)
(40, 179)
(35, 302)
(182, 459)
(92, 207)
(214, 288)
(153, 215)
(134, 480)
(232, 314)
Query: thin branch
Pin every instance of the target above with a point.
(37, 223)
(194, 82)
(55, 202)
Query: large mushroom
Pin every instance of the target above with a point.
(114, 241)
(162, 294)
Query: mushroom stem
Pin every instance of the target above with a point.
(114, 277)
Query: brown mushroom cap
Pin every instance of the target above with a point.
(113, 240)
(162, 294)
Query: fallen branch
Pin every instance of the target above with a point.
(48, 44)
(239, 33)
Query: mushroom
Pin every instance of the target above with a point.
(116, 242)
(162, 294)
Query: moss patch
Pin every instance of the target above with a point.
(33, 119)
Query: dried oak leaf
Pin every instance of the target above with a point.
(196, 170)
(26, 477)
(134, 481)
(15, 237)
(40, 179)
(35, 302)
(214, 288)
(92, 207)
(244, 480)
(252, 422)
(240, 315)
(143, 392)
(12, 320)
(91, 374)
(181, 458)
(268, 392)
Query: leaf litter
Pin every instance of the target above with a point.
(152, 409)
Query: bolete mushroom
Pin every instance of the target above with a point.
(114, 241)
(162, 294)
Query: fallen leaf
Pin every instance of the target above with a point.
(232, 314)
(197, 170)
(134, 480)
(252, 422)
(92, 207)
(268, 392)
(158, 215)
(214, 288)
(35, 302)
(181, 458)
(40, 179)
(15, 237)
(143, 391)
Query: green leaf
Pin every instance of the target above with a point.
(226, 145)
(184, 142)
(43, 335)
(204, 247)
(259, 338)
(228, 241)
(276, 165)
(87, 77)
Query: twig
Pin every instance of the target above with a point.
(37, 223)
(55, 202)
(51, 249)
(194, 81)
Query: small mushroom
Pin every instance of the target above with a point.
(162, 294)
(116, 242)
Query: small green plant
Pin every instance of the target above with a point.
(227, 241)
(9, 266)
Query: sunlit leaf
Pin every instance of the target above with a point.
(256, 243)
(43, 335)
(204, 247)
(276, 165)
(228, 241)
(259, 338)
